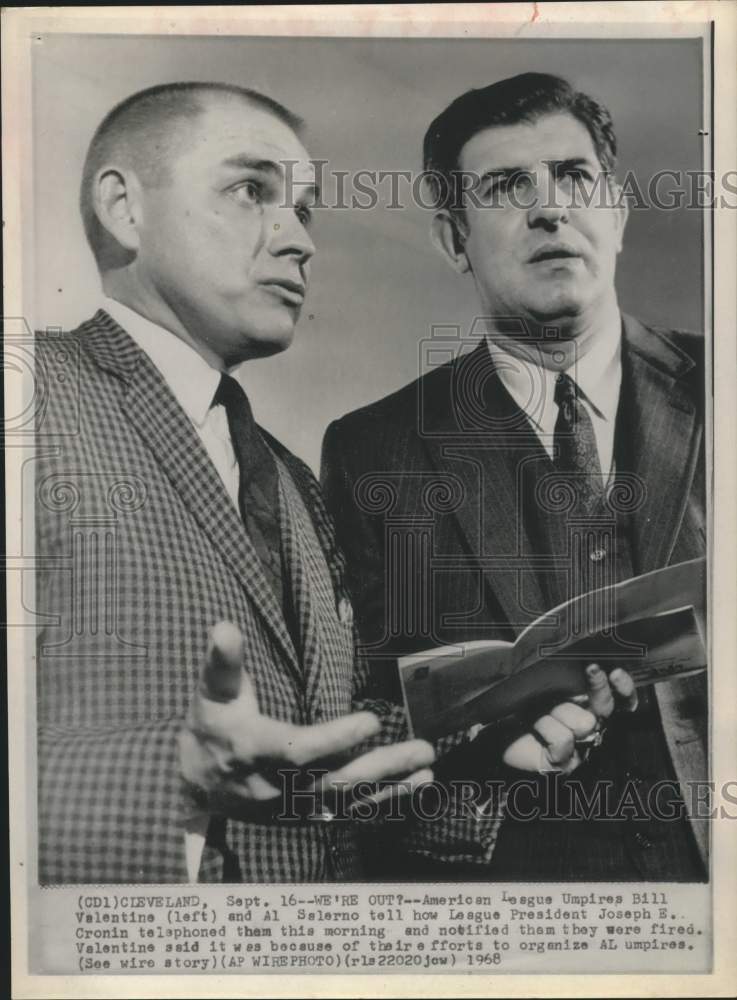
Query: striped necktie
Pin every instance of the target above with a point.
(577, 457)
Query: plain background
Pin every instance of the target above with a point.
(378, 285)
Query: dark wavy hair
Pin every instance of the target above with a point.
(522, 98)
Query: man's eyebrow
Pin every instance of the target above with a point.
(504, 172)
(243, 162)
(499, 172)
(573, 161)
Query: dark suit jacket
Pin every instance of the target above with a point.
(425, 487)
(140, 551)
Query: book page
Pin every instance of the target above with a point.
(679, 586)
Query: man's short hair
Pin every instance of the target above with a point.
(143, 128)
(523, 98)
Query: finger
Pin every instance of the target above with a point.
(422, 777)
(624, 688)
(573, 762)
(558, 739)
(528, 754)
(222, 674)
(524, 754)
(577, 719)
(303, 744)
(601, 699)
(395, 760)
(253, 787)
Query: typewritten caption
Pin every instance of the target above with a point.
(360, 929)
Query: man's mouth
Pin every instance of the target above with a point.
(290, 291)
(558, 251)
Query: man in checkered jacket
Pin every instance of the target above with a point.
(197, 651)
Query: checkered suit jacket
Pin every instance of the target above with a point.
(140, 552)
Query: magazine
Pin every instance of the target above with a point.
(652, 625)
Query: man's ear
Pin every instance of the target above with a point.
(450, 241)
(117, 202)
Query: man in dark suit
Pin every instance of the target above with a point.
(176, 540)
(563, 452)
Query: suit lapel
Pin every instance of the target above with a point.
(664, 434)
(308, 599)
(320, 599)
(490, 444)
(473, 429)
(664, 428)
(154, 412)
(312, 497)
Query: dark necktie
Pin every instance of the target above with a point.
(577, 456)
(258, 490)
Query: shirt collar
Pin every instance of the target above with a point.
(192, 380)
(532, 386)
(598, 373)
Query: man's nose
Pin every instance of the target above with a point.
(548, 208)
(288, 236)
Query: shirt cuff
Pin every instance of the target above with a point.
(195, 832)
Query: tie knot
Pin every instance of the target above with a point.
(230, 394)
(566, 390)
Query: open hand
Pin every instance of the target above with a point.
(231, 753)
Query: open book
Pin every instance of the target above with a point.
(651, 625)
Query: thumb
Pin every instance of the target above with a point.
(223, 671)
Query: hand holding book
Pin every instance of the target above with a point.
(649, 626)
(561, 739)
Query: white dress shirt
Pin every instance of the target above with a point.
(194, 384)
(598, 374)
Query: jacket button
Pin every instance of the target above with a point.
(642, 841)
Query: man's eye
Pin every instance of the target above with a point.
(505, 184)
(248, 193)
(512, 182)
(520, 181)
(304, 214)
